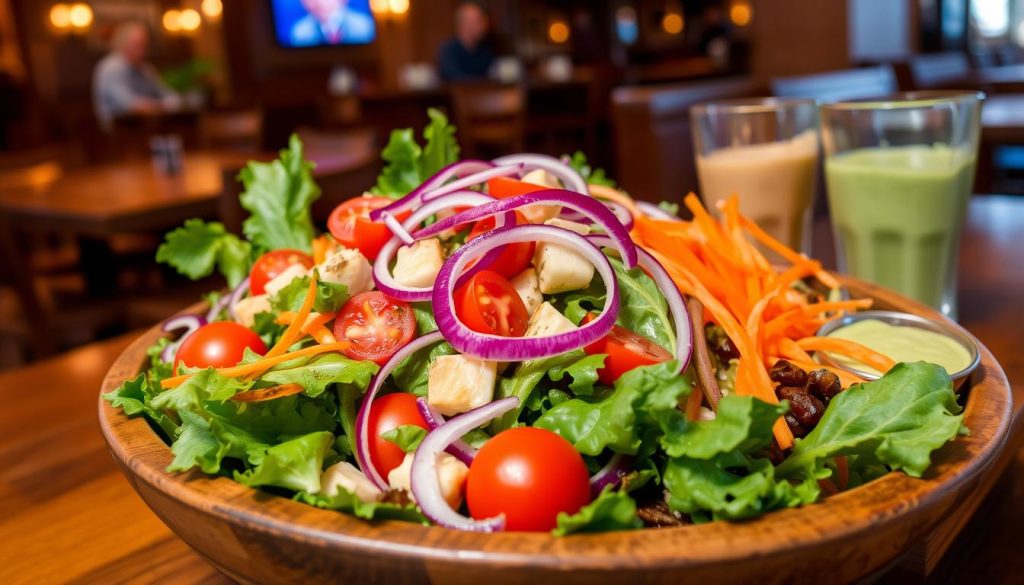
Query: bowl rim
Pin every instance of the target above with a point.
(840, 518)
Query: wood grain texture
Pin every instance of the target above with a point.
(256, 537)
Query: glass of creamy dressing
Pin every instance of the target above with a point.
(899, 174)
(764, 150)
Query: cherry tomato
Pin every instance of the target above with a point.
(389, 412)
(626, 350)
(529, 475)
(514, 258)
(376, 324)
(488, 303)
(350, 224)
(273, 263)
(219, 345)
(504, 187)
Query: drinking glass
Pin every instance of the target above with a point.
(764, 150)
(899, 173)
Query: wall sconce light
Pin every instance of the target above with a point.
(212, 9)
(558, 31)
(389, 8)
(74, 17)
(740, 13)
(672, 23)
(181, 21)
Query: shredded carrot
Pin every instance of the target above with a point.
(848, 348)
(259, 367)
(322, 335)
(322, 248)
(779, 248)
(294, 331)
(623, 199)
(262, 394)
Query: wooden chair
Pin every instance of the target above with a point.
(653, 139)
(238, 130)
(940, 70)
(835, 86)
(491, 118)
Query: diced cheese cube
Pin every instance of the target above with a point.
(540, 213)
(451, 476)
(246, 309)
(528, 287)
(705, 413)
(417, 265)
(284, 279)
(548, 321)
(457, 383)
(346, 476)
(560, 269)
(348, 267)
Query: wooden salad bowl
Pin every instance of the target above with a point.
(256, 537)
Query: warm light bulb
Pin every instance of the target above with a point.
(558, 32)
(398, 6)
(189, 20)
(60, 16)
(172, 20)
(672, 23)
(379, 6)
(740, 13)
(80, 15)
(212, 8)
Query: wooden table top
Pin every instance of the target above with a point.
(67, 514)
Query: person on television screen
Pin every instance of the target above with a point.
(331, 22)
(124, 83)
(469, 55)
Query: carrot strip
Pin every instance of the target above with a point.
(294, 331)
(782, 250)
(270, 393)
(322, 335)
(849, 348)
(261, 366)
(623, 199)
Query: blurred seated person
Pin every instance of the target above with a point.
(331, 22)
(469, 55)
(124, 83)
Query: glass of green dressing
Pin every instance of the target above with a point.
(899, 173)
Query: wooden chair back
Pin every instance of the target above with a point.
(835, 86)
(653, 136)
(939, 70)
(489, 116)
(235, 130)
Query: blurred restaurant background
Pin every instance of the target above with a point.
(85, 198)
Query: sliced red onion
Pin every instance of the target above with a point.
(676, 304)
(397, 229)
(591, 207)
(187, 321)
(458, 168)
(423, 475)
(433, 189)
(514, 349)
(620, 212)
(611, 474)
(382, 276)
(362, 430)
(656, 212)
(572, 180)
(459, 449)
(236, 295)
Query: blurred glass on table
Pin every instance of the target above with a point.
(765, 151)
(167, 154)
(899, 174)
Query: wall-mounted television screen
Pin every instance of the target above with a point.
(318, 23)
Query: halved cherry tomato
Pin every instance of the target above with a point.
(530, 475)
(218, 345)
(377, 325)
(626, 350)
(390, 412)
(350, 224)
(273, 263)
(488, 303)
(514, 258)
(504, 187)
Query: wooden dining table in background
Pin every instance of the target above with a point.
(67, 514)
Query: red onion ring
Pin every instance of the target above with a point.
(572, 180)
(362, 431)
(235, 296)
(187, 321)
(514, 349)
(597, 212)
(611, 474)
(423, 475)
(432, 188)
(655, 212)
(620, 212)
(382, 276)
(676, 304)
(459, 449)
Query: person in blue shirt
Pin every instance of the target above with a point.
(124, 83)
(469, 55)
(331, 22)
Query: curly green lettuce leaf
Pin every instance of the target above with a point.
(198, 247)
(611, 510)
(412, 374)
(203, 387)
(669, 208)
(278, 195)
(441, 148)
(743, 424)
(205, 443)
(899, 420)
(407, 164)
(317, 373)
(346, 501)
(528, 375)
(594, 176)
(330, 296)
(294, 464)
(582, 373)
(406, 437)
